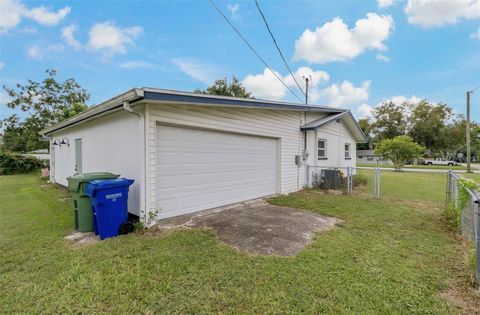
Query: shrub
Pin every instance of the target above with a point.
(11, 163)
(360, 180)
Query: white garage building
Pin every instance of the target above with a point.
(189, 152)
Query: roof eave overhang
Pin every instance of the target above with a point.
(97, 111)
(165, 97)
(360, 135)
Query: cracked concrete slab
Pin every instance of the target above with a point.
(258, 227)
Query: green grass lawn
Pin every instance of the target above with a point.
(407, 185)
(434, 167)
(390, 256)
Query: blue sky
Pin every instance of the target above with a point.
(359, 53)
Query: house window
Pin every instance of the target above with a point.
(322, 149)
(370, 158)
(347, 151)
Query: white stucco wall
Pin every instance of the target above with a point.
(113, 143)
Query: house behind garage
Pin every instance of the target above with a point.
(189, 152)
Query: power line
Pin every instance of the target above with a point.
(253, 49)
(276, 45)
(478, 87)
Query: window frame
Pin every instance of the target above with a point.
(324, 149)
(349, 151)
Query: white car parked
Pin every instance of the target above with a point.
(440, 161)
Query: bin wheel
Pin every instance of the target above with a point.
(125, 228)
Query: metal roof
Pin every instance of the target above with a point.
(152, 96)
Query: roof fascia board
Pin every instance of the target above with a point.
(96, 111)
(361, 135)
(168, 97)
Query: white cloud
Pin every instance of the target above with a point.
(335, 42)
(400, 99)
(29, 30)
(109, 39)
(136, 64)
(233, 8)
(198, 70)
(476, 35)
(317, 77)
(382, 57)
(433, 13)
(44, 16)
(364, 111)
(12, 12)
(385, 3)
(265, 85)
(2, 64)
(4, 98)
(344, 94)
(69, 37)
(36, 52)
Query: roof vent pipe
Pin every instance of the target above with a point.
(126, 106)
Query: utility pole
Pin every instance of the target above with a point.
(307, 80)
(469, 153)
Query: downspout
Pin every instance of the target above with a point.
(126, 106)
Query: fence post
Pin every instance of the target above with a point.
(348, 180)
(476, 211)
(447, 197)
(308, 176)
(377, 182)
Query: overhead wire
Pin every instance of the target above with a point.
(253, 49)
(276, 45)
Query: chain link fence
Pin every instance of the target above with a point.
(466, 201)
(419, 186)
(348, 180)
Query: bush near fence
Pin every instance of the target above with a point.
(12, 163)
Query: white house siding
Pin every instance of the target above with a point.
(113, 143)
(281, 124)
(336, 134)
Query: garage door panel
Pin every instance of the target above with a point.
(200, 169)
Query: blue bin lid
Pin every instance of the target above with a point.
(109, 183)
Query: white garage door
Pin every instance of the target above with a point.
(199, 169)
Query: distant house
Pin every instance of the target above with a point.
(369, 157)
(41, 154)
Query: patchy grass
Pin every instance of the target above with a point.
(433, 167)
(387, 257)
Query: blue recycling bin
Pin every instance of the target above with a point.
(109, 206)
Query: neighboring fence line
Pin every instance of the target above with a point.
(469, 213)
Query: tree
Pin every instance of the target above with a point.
(366, 127)
(46, 103)
(222, 87)
(400, 150)
(429, 126)
(390, 120)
